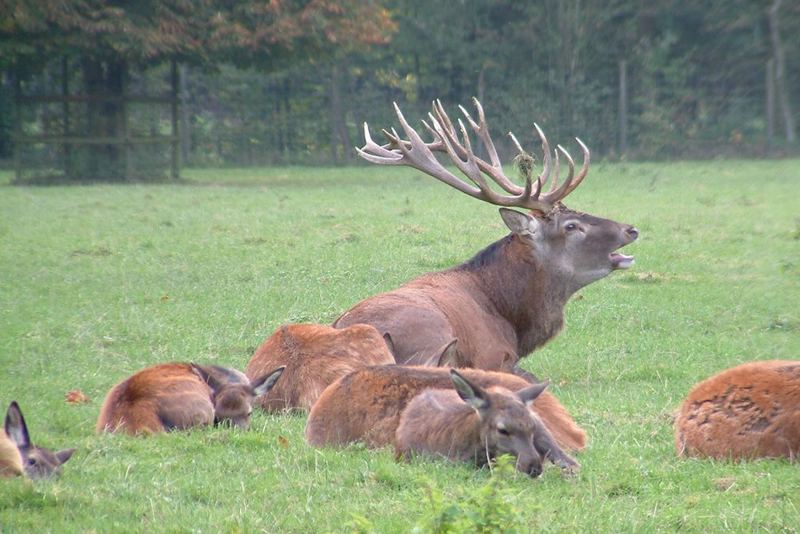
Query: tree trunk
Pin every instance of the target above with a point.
(780, 83)
(340, 137)
(104, 80)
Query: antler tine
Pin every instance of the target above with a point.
(383, 156)
(495, 168)
(584, 168)
(555, 174)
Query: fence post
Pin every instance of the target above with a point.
(770, 103)
(175, 142)
(623, 107)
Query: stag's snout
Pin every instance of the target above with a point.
(629, 234)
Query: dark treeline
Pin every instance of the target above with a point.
(632, 78)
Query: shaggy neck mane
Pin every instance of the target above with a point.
(521, 289)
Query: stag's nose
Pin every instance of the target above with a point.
(632, 232)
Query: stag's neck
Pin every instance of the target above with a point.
(522, 290)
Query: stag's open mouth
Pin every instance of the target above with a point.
(620, 261)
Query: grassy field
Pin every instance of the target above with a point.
(99, 281)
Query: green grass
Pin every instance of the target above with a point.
(99, 281)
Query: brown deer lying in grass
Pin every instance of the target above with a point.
(314, 356)
(366, 406)
(509, 299)
(177, 396)
(751, 410)
(472, 424)
(18, 456)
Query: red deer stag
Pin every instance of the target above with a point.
(749, 411)
(366, 406)
(18, 456)
(314, 356)
(509, 299)
(177, 396)
(472, 424)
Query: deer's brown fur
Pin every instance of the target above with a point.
(177, 396)
(314, 356)
(366, 405)
(507, 300)
(751, 410)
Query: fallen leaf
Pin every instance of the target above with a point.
(76, 396)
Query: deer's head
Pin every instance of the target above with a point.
(233, 393)
(37, 462)
(507, 425)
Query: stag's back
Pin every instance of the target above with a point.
(156, 399)
(366, 405)
(314, 356)
(751, 410)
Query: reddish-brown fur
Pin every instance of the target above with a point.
(18, 456)
(507, 300)
(751, 410)
(366, 405)
(474, 425)
(176, 396)
(314, 356)
(10, 459)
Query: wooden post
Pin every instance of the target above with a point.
(175, 142)
(623, 108)
(69, 169)
(770, 103)
(184, 94)
(124, 133)
(17, 128)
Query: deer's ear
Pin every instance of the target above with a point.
(470, 393)
(266, 382)
(531, 393)
(520, 223)
(387, 338)
(209, 375)
(448, 355)
(15, 426)
(64, 455)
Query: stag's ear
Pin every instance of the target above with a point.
(470, 393)
(16, 428)
(64, 455)
(520, 223)
(266, 382)
(531, 393)
(448, 355)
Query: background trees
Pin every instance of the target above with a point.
(291, 82)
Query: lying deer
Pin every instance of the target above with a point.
(366, 405)
(751, 410)
(472, 424)
(509, 299)
(177, 396)
(313, 356)
(18, 456)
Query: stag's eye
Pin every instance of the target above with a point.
(570, 227)
(31, 461)
(502, 431)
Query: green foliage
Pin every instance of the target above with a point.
(491, 508)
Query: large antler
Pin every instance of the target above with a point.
(418, 154)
